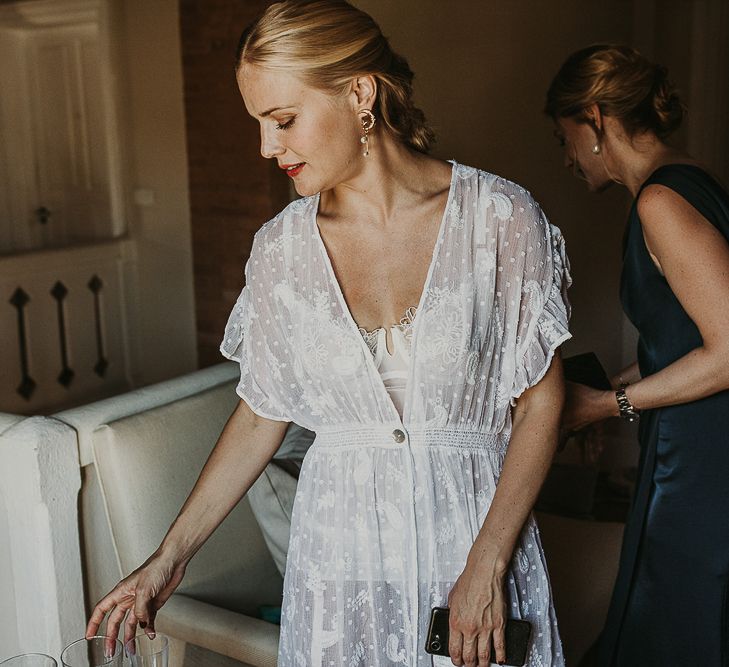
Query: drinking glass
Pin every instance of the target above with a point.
(93, 653)
(30, 660)
(145, 652)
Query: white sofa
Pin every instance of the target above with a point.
(134, 458)
(41, 587)
(87, 494)
(141, 453)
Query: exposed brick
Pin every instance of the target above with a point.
(233, 191)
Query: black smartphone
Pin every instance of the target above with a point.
(516, 636)
(586, 369)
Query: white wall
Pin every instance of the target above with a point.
(152, 116)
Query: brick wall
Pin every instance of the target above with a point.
(233, 190)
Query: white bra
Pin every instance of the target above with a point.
(394, 367)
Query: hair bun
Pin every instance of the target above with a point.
(623, 83)
(667, 105)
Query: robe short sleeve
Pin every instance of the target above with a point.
(248, 340)
(542, 324)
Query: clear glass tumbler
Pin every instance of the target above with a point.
(145, 652)
(30, 660)
(98, 651)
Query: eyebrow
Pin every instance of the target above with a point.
(274, 109)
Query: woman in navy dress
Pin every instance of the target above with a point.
(613, 110)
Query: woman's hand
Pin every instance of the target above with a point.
(585, 405)
(141, 594)
(478, 614)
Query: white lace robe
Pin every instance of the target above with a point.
(388, 508)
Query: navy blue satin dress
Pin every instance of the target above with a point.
(670, 604)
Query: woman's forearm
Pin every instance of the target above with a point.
(533, 443)
(700, 373)
(243, 450)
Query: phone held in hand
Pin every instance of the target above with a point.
(516, 635)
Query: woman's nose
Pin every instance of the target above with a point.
(270, 144)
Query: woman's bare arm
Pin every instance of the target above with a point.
(246, 445)
(532, 446)
(477, 599)
(694, 258)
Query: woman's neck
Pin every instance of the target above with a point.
(634, 160)
(392, 178)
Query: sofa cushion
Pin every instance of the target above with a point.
(147, 464)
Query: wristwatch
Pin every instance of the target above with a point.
(627, 411)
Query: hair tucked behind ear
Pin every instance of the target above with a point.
(395, 106)
(328, 43)
(623, 83)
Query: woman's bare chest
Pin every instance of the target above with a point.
(382, 273)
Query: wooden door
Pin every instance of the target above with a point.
(70, 152)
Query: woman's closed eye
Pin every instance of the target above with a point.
(285, 125)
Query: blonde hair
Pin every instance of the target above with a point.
(623, 83)
(329, 42)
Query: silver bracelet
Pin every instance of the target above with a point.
(625, 407)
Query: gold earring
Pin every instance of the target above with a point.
(368, 122)
(596, 149)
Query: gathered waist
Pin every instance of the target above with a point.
(395, 436)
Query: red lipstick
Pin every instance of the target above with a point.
(293, 170)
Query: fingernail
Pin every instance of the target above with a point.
(107, 653)
(142, 624)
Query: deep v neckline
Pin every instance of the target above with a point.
(352, 325)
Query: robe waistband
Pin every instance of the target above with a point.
(396, 435)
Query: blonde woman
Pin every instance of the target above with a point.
(408, 311)
(614, 110)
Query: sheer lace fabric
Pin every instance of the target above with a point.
(388, 506)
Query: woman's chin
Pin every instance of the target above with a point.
(303, 189)
(596, 186)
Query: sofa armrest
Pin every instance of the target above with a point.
(243, 638)
(86, 419)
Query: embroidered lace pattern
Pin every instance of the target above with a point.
(405, 325)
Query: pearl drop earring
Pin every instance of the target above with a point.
(368, 121)
(596, 149)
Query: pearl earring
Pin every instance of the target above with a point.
(368, 122)
(596, 149)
